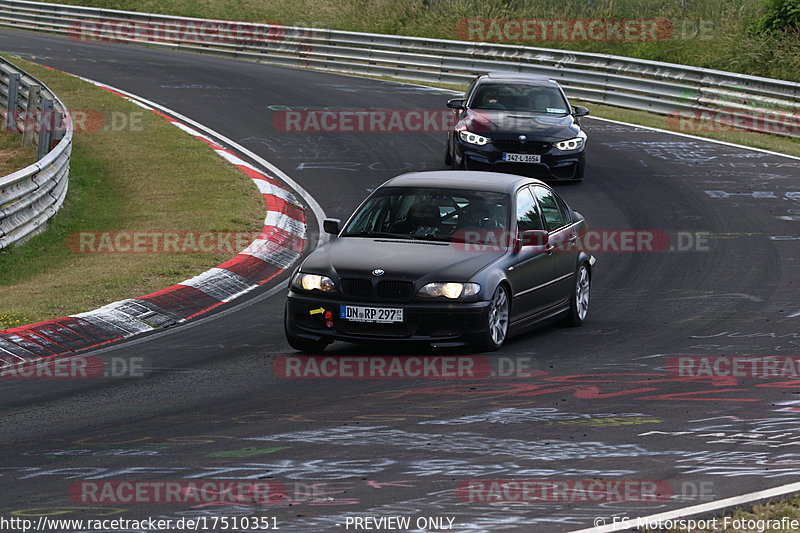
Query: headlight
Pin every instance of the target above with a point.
(473, 138)
(570, 145)
(310, 282)
(450, 290)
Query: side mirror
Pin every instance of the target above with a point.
(580, 111)
(456, 103)
(331, 225)
(532, 237)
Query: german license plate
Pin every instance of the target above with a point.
(522, 158)
(382, 315)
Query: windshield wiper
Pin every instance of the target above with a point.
(419, 238)
(383, 234)
(429, 237)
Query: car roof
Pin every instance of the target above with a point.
(471, 180)
(518, 77)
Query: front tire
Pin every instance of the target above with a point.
(497, 320)
(579, 300)
(448, 157)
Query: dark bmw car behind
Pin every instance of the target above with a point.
(447, 258)
(520, 124)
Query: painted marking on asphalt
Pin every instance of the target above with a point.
(248, 452)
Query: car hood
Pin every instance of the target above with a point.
(401, 260)
(534, 125)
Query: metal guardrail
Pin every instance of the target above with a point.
(759, 104)
(31, 196)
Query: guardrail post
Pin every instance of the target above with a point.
(59, 126)
(28, 129)
(46, 124)
(13, 102)
(31, 197)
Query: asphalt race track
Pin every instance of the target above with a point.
(599, 403)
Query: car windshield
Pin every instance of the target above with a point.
(447, 215)
(520, 97)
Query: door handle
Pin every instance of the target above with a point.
(572, 239)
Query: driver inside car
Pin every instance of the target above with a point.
(422, 219)
(478, 214)
(490, 98)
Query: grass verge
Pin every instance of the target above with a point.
(14, 156)
(131, 171)
(711, 34)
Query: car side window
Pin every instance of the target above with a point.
(565, 210)
(528, 216)
(554, 217)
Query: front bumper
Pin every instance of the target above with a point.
(435, 322)
(554, 164)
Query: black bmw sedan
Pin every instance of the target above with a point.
(446, 257)
(519, 124)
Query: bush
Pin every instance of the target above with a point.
(781, 15)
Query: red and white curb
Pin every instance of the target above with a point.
(276, 249)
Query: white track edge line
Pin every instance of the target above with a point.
(319, 213)
(707, 507)
(701, 508)
(632, 523)
(707, 139)
(660, 130)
